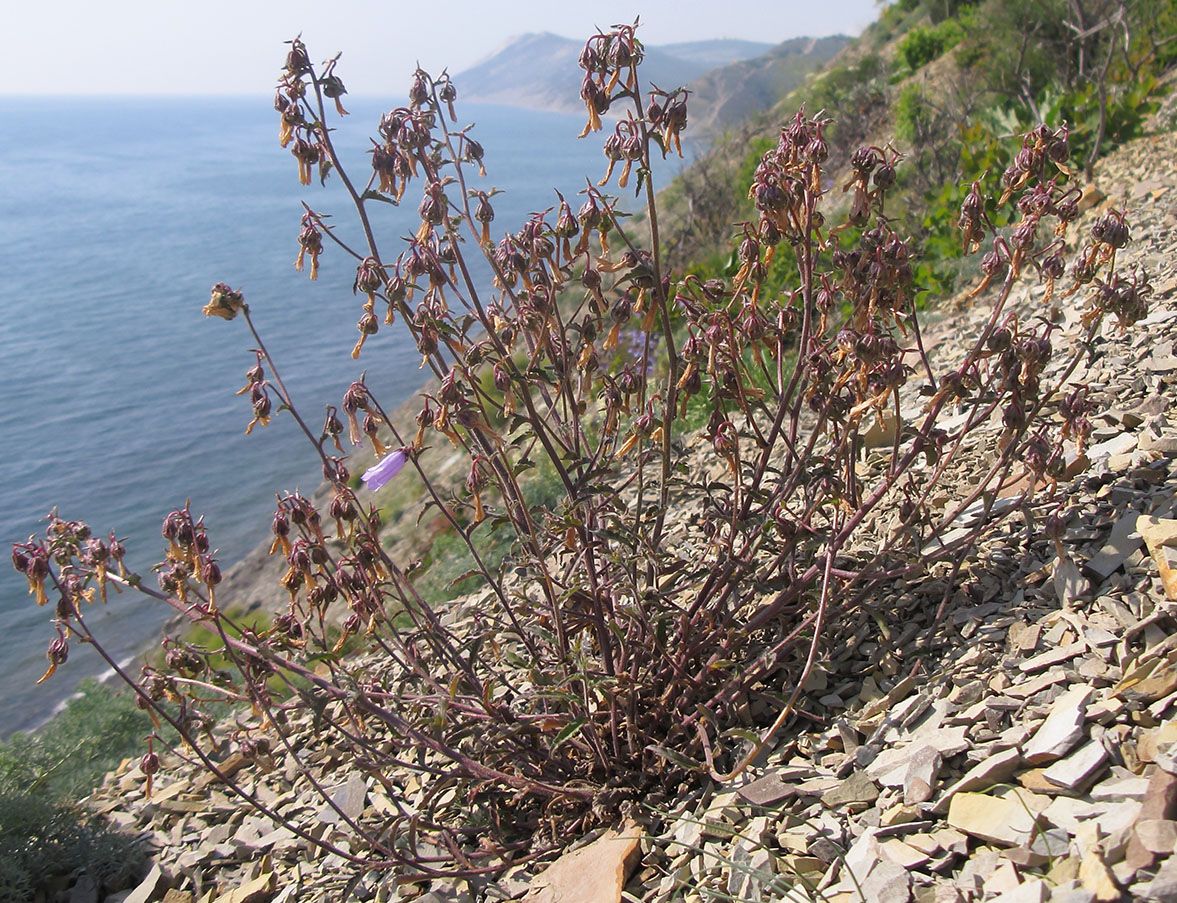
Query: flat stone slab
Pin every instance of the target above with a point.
(1052, 657)
(1123, 542)
(1009, 820)
(1062, 729)
(856, 791)
(767, 791)
(1079, 767)
(994, 769)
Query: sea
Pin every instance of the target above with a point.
(117, 215)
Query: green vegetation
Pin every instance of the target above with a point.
(1014, 64)
(449, 569)
(923, 45)
(45, 838)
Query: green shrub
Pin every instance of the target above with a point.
(911, 115)
(44, 837)
(43, 845)
(68, 756)
(944, 10)
(922, 45)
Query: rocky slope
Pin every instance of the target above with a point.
(1017, 745)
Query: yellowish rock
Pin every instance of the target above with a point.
(255, 891)
(1007, 817)
(1156, 740)
(1097, 878)
(595, 873)
(1160, 536)
(899, 815)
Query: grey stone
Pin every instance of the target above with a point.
(1079, 767)
(856, 791)
(1124, 540)
(1062, 729)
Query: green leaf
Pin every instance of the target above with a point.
(465, 576)
(373, 195)
(741, 733)
(561, 695)
(675, 758)
(567, 733)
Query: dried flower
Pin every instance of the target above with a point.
(224, 303)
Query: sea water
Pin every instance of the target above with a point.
(116, 217)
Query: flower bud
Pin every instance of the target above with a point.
(817, 150)
(725, 443)
(502, 379)
(334, 89)
(749, 249)
(999, 340)
(1014, 416)
(1023, 236)
(1083, 270)
(993, 265)
(418, 92)
(474, 151)
(589, 214)
(149, 764)
(368, 278)
(1111, 230)
(621, 310)
(368, 324)
(58, 651)
(451, 389)
(566, 224)
(342, 507)
(261, 404)
(864, 160)
(1053, 266)
(483, 212)
(211, 572)
(1059, 149)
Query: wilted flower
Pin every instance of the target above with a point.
(225, 303)
(333, 88)
(385, 469)
(57, 654)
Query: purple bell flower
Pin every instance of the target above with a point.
(385, 469)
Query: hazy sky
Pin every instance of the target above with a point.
(235, 46)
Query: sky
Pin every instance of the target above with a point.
(236, 46)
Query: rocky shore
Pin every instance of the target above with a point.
(1016, 746)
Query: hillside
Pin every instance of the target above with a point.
(727, 96)
(729, 78)
(944, 85)
(1027, 746)
(540, 71)
(901, 632)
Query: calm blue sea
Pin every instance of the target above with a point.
(116, 216)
